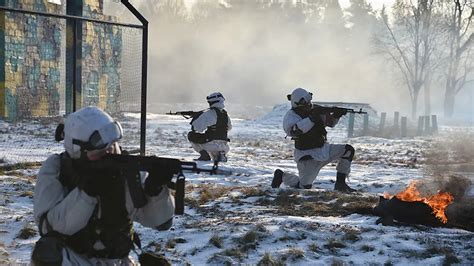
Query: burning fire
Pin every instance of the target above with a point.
(437, 202)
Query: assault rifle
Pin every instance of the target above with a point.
(164, 169)
(327, 110)
(187, 114)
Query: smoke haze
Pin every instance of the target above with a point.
(256, 55)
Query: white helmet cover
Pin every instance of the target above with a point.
(215, 98)
(90, 128)
(300, 97)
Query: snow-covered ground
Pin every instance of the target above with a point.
(240, 219)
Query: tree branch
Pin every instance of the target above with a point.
(397, 47)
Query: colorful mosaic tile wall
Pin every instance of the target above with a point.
(30, 71)
(101, 53)
(29, 85)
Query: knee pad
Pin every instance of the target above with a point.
(349, 153)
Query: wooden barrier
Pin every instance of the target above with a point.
(396, 126)
(350, 128)
(419, 130)
(383, 115)
(427, 125)
(365, 131)
(434, 124)
(404, 127)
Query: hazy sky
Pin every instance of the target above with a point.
(376, 4)
(253, 62)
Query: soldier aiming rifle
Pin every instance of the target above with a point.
(87, 198)
(306, 124)
(209, 129)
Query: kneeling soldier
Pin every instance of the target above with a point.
(306, 126)
(215, 123)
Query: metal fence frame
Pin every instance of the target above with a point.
(75, 20)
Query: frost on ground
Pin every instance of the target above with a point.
(240, 219)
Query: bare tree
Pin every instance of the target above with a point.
(410, 43)
(459, 15)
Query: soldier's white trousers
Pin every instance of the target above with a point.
(308, 170)
(213, 147)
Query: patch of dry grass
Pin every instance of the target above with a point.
(252, 192)
(323, 203)
(313, 247)
(216, 241)
(268, 260)
(334, 244)
(26, 232)
(367, 248)
(212, 193)
(351, 235)
(27, 193)
(294, 254)
(233, 252)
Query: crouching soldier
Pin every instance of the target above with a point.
(208, 134)
(306, 125)
(86, 217)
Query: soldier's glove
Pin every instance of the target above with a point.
(94, 185)
(161, 176)
(338, 112)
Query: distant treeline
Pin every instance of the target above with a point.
(257, 50)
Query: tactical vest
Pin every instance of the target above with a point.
(219, 130)
(112, 226)
(314, 138)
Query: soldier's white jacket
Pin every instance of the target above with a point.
(67, 213)
(292, 122)
(209, 118)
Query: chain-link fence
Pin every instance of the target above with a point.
(59, 56)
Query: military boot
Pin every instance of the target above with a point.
(204, 156)
(341, 184)
(277, 178)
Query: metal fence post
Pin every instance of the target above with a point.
(396, 126)
(419, 130)
(382, 122)
(434, 124)
(427, 125)
(404, 127)
(366, 125)
(350, 128)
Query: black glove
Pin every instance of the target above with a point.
(161, 175)
(152, 188)
(338, 112)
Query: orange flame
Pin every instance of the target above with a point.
(437, 202)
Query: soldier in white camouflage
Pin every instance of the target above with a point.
(86, 218)
(306, 125)
(208, 134)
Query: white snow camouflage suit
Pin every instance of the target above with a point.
(308, 169)
(67, 213)
(200, 124)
